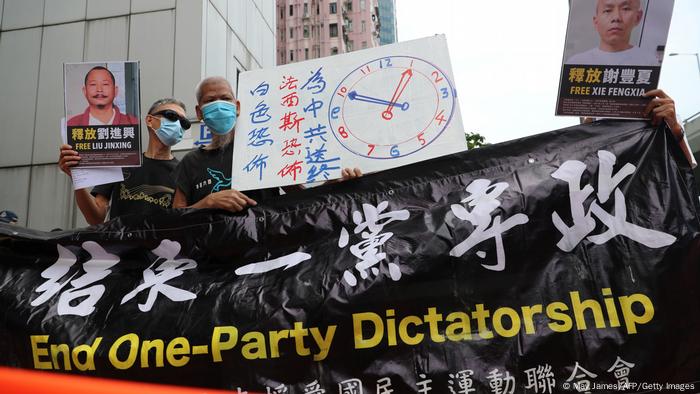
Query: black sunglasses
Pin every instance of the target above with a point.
(173, 116)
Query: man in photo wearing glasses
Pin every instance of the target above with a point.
(147, 189)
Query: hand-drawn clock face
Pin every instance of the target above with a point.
(391, 107)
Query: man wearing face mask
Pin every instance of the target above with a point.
(204, 175)
(147, 189)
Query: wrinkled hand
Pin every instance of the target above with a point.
(230, 200)
(67, 158)
(663, 108)
(350, 173)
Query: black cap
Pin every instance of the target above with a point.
(8, 217)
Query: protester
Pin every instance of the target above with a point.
(147, 189)
(204, 175)
(100, 90)
(662, 108)
(614, 21)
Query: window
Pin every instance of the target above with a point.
(306, 9)
(349, 24)
(306, 31)
(363, 5)
(291, 10)
(364, 44)
(334, 51)
(306, 53)
(364, 26)
(318, 8)
(350, 46)
(291, 32)
(333, 29)
(291, 56)
(281, 12)
(333, 8)
(348, 4)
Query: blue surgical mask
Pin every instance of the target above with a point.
(169, 132)
(219, 116)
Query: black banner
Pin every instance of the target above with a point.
(562, 262)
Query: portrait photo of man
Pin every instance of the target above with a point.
(102, 108)
(620, 29)
(100, 89)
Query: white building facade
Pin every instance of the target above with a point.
(178, 42)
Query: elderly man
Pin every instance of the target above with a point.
(614, 21)
(147, 189)
(100, 90)
(204, 175)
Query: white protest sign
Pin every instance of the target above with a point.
(374, 109)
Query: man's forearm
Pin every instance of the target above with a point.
(93, 212)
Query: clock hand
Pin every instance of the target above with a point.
(403, 82)
(368, 99)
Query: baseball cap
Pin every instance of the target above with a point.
(8, 217)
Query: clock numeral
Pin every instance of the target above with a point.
(445, 92)
(366, 69)
(437, 76)
(386, 62)
(441, 117)
(371, 149)
(334, 112)
(342, 132)
(421, 139)
(342, 91)
(394, 151)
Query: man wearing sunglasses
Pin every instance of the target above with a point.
(147, 189)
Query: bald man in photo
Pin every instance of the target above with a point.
(614, 20)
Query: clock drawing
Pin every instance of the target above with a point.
(391, 107)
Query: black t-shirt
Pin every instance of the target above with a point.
(205, 171)
(145, 190)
